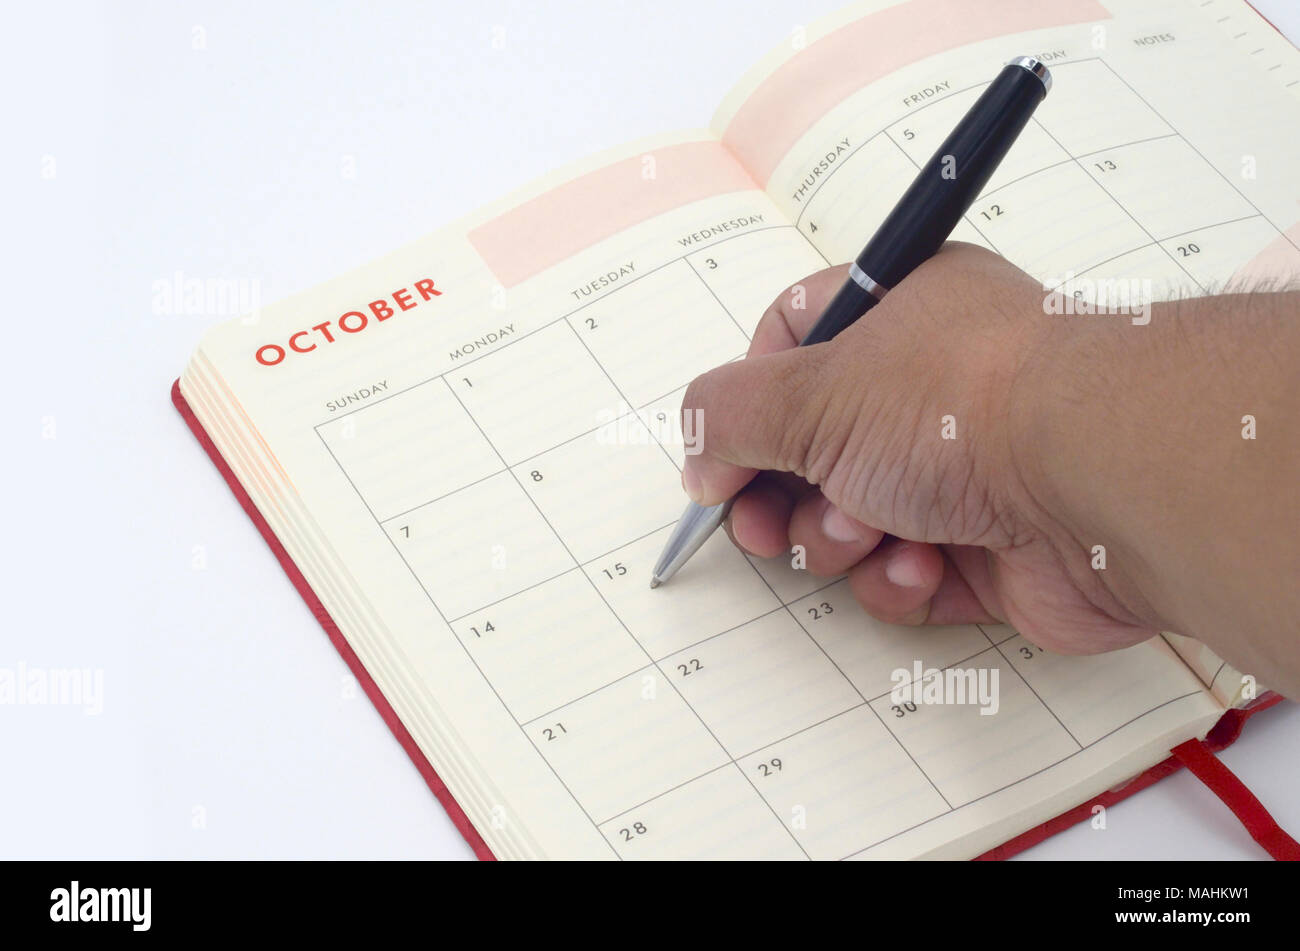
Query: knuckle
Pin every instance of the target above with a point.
(805, 385)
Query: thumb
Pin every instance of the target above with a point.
(763, 412)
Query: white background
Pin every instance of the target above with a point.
(223, 700)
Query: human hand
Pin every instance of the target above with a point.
(915, 423)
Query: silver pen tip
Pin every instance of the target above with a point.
(654, 583)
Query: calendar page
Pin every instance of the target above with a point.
(1164, 156)
(472, 450)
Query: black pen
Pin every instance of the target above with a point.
(919, 224)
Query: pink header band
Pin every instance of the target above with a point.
(816, 79)
(565, 220)
(1279, 261)
(571, 218)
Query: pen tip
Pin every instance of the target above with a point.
(654, 583)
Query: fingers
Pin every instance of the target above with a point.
(760, 517)
(764, 412)
(773, 514)
(912, 583)
(833, 542)
(896, 582)
(781, 328)
(796, 309)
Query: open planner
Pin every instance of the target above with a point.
(466, 454)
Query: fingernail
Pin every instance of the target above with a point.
(691, 482)
(837, 526)
(902, 569)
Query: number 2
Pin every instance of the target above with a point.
(690, 667)
(637, 828)
(821, 611)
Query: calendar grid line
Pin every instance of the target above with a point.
(807, 203)
(1038, 171)
(555, 320)
(619, 390)
(1222, 664)
(790, 611)
(1028, 776)
(630, 541)
(666, 676)
(653, 663)
(1121, 205)
(328, 448)
(601, 556)
(446, 495)
(1037, 696)
(772, 809)
(1192, 146)
(789, 736)
(817, 644)
(667, 792)
(681, 650)
(735, 627)
(708, 287)
(965, 217)
(932, 102)
(1066, 161)
(807, 594)
(1014, 633)
(1174, 134)
(756, 750)
(600, 594)
(613, 610)
(903, 746)
(804, 729)
(840, 671)
(491, 686)
(579, 803)
(949, 666)
(1164, 636)
(1152, 244)
(631, 411)
(514, 594)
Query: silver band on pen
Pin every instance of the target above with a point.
(864, 281)
(1036, 67)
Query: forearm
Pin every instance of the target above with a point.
(1176, 446)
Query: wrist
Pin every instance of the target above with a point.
(1080, 446)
